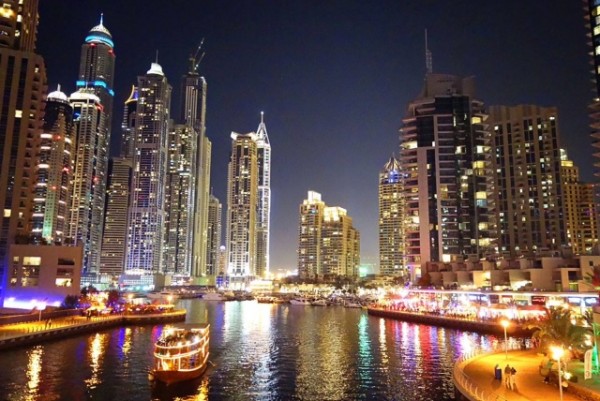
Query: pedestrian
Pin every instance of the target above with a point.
(498, 372)
(507, 376)
(513, 372)
(49, 323)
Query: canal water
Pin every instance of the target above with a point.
(259, 352)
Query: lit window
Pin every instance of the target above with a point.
(18, 113)
(6, 212)
(32, 260)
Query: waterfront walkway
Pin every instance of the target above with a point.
(476, 376)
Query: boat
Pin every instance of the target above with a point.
(265, 299)
(350, 304)
(181, 353)
(169, 296)
(300, 301)
(319, 302)
(213, 296)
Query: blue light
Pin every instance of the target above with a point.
(112, 92)
(97, 38)
(100, 83)
(80, 83)
(96, 83)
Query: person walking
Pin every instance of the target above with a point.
(507, 371)
(513, 373)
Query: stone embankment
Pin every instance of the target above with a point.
(27, 333)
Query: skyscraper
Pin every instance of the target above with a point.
(328, 243)
(264, 198)
(444, 143)
(96, 76)
(55, 171)
(526, 166)
(147, 211)
(86, 197)
(592, 24)
(242, 193)
(391, 220)
(118, 195)
(180, 200)
(215, 210)
(579, 208)
(22, 90)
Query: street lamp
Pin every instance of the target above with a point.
(505, 323)
(41, 306)
(557, 353)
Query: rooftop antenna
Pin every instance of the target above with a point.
(101, 18)
(156, 56)
(428, 58)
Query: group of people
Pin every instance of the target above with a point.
(509, 375)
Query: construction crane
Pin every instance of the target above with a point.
(197, 57)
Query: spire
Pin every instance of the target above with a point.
(101, 18)
(428, 57)
(262, 117)
(156, 61)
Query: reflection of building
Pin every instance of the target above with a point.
(22, 92)
(214, 235)
(55, 171)
(328, 244)
(525, 159)
(579, 212)
(242, 195)
(146, 212)
(264, 199)
(391, 220)
(444, 146)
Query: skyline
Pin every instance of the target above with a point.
(310, 67)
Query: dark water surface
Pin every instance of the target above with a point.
(259, 352)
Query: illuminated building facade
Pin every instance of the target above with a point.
(145, 235)
(328, 244)
(391, 220)
(579, 208)
(592, 24)
(444, 150)
(22, 90)
(179, 200)
(242, 194)
(264, 198)
(526, 167)
(215, 210)
(96, 76)
(51, 208)
(118, 195)
(87, 197)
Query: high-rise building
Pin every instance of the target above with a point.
(264, 198)
(86, 196)
(22, 92)
(51, 210)
(145, 235)
(242, 193)
(179, 200)
(328, 244)
(579, 208)
(309, 236)
(525, 160)
(391, 220)
(193, 114)
(96, 76)
(114, 239)
(128, 124)
(118, 195)
(215, 210)
(592, 24)
(444, 145)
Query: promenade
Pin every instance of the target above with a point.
(474, 378)
(12, 335)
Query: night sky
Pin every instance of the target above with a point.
(333, 78)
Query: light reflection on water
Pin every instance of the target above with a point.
(259, 352)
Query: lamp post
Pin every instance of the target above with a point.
(557, 353)
(41, 306)
(505, 323)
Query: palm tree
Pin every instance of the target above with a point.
(560, 330)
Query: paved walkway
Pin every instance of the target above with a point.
(529, 383)
(20, 329)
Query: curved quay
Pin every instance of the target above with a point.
(71, 327)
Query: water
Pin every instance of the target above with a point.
(259, 352)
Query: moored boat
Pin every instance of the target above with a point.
(319, 302)
(181, 353)
(213, 296)
(300, 301)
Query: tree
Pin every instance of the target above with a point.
(425, 280)
(70, 302)
(559, 330)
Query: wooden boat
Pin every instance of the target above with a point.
(181, 353)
